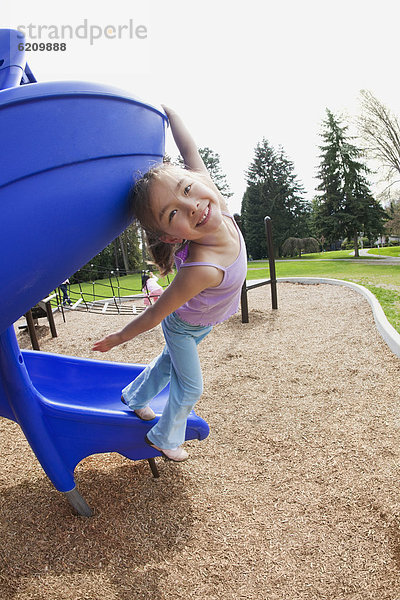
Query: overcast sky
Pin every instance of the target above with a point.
(236, 72)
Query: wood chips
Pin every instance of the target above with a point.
(294, 496)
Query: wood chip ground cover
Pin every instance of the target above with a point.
(294, 495)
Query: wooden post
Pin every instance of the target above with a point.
(243, 296)
(32, 331)
(50, 319)
(244, 304)
(271, 259)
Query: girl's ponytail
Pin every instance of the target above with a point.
(162, 253)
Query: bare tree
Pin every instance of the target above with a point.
(392, 227)
(380, 130)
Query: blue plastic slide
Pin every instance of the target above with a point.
(70, 153)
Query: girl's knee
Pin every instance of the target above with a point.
(191, 394)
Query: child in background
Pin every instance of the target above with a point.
(151, 288)
(186, 221)
(64, 288)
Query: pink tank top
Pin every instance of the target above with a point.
(215, 305)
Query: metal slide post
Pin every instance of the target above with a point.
(153, 467)
(78, 503)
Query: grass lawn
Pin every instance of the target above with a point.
(359, 272)
(390, 251)
(334, 254)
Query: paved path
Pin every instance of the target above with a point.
(388, 260)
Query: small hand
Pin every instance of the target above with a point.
(171, 114)
(107, 343)
(168, 111)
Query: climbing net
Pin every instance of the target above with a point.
(113, 294)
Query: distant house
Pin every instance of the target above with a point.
(385, 239)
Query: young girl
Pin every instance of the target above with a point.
(185, 219)
(150, 288)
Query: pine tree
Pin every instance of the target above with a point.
(346, 206)
(212, 163)
(273, 190)
(211, 160)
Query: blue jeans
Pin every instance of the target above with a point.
(179, 365)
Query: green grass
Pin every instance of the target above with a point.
(323, 255)
(390, 302)
(382, 280)
(360, 272)
(334, 254)
(390, 251)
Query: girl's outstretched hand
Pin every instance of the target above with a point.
(107, 343)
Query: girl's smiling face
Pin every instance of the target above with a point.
(184, 207)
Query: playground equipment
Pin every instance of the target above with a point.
(71, 152)
(42, 309)
(272, 275)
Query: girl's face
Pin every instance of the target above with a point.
(184, 207)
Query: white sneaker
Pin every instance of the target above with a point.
(146, 413)
(175, 454)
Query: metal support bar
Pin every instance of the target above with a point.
(153, 467)
(78, 503)
(113, 293)
(60, 305)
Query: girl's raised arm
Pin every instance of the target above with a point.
(184, 141)
(188, 149)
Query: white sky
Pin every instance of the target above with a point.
(235, 72)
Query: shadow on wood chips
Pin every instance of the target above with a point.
(135, 525)
(294, 496)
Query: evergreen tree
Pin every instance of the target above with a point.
(211, 160)
(122, 254)
(272, 190)
(346, 206)
(252, 218)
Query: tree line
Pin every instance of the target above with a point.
(344, 207)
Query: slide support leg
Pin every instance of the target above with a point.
(153, 467)
(78, 503)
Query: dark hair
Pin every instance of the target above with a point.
(162, 252)
(145, 278)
